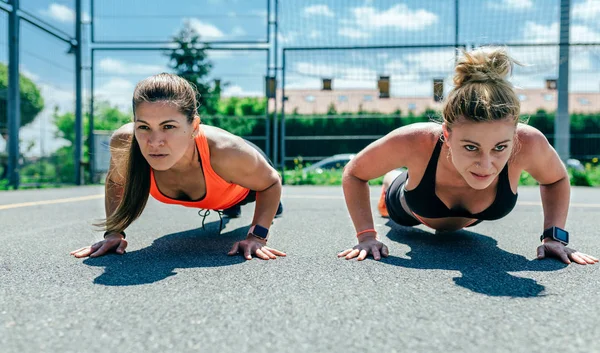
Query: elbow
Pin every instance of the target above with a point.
(274, 185)
(348, 176)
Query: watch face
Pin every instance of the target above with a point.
(561, 235)
(259, 231)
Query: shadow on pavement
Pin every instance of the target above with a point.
(187, 249)
(483, 265)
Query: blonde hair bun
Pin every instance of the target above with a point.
(487, 64)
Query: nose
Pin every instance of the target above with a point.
(485, 162)
(155, 139)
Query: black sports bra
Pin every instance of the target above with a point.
(424, 202)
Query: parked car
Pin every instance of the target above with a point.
(337, 161)
(575, 164)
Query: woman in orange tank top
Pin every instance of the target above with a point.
(166, 153)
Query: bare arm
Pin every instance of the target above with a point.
(545, 166)
(115, 181)
(239, 163)
(393, 151)
(543, 163)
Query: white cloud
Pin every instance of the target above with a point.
(537, 33)
(117, 91)
(395, 66)
(399, 17)
(439, 60)
(353, 33)
(315, 34)
(205, 29)
(318, 10)
(238, 32)
(30, 75)
(587, 10)
(43, 128)
(62, 13)
(287, 37)
(259, 13)
(511, 4)
(238, 91)
(337, 71)
(114, 66)
(219, 54)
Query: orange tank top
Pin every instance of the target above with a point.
(219, 193)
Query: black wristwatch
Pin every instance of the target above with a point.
(259, 231)
(555, 233)
(110, 232)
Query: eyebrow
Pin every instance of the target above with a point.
(164, 122)
(477, 144)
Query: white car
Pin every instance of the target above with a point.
(337, 161)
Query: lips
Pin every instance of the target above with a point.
(157, 155)
(481, 176)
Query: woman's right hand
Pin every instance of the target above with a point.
(112, 241)
(367, 244)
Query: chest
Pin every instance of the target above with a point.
(188, 187)
(472, 200)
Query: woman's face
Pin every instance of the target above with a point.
(480, 150)
(163, 133)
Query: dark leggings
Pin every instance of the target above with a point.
(394, 206)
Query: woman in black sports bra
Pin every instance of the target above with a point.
(465, 170)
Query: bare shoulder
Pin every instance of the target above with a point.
(221, 141)
(418, 139)
(403, 147)
(425, 133)
(120, 142)
(122, 136)
(227, 151)
(531, 142)
(236, 161)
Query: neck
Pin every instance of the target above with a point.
(189, 161)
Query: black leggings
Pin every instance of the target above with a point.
(394, 206)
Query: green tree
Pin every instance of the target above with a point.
(106, 117)
(190, 61)
(331, 109)
(32, 102)
(31, 105)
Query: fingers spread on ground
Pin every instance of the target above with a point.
(352, 254)
(362, 255)
(234, 249)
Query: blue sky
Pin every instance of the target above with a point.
(303, 23)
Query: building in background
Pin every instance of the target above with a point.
(307, 101)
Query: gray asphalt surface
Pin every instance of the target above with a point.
(176, 290)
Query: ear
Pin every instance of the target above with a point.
(446, 133)
(195, 125)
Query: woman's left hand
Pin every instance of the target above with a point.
(555, 249)
(254, 246)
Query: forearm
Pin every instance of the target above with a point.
(555, 201)
(358, 201)
(267, 202)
